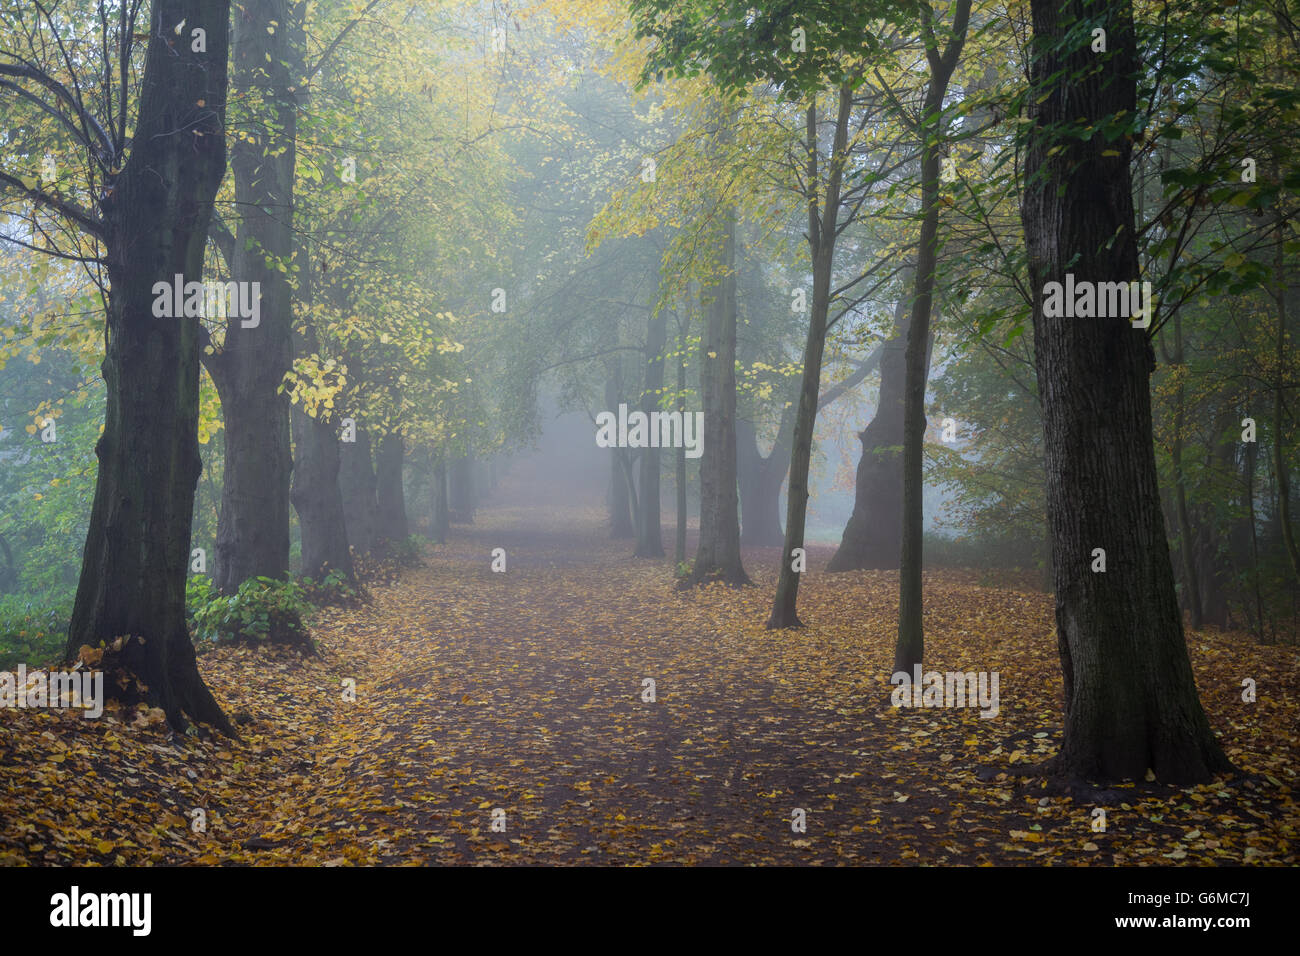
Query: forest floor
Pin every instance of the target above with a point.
(524, 691)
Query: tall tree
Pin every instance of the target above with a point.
(155, 192)
(315, 491)
(909, 648)
(824, 228)
(718, 556)
(649, 533)
(1130, 697)
(250, 364)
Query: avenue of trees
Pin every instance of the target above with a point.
(454, 214)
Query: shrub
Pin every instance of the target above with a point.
(408, 553)
(263, 610)
(334, 588)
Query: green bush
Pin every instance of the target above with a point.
(263, 610)
(409, 552)
(334, 588)
(31, 632)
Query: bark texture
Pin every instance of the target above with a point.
(1130, 696)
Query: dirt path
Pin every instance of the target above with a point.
(523, 691)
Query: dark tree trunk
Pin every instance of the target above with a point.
(315, 489)
(1130, 695)
(761, 479)
(823, 229)
(873, 537)
(317, 499)
(620, 502)
(357, 485)
(649, 533)
(679, 544)
(718, 556)
(620, 467)
(1280, 476)
(1254, 600)
(1191, 579)
(441, 505)
(253, 528)
(910, 647)
(1214, 556)
(137, 550)
(390, 513)
(461, 490)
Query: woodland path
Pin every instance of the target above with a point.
(523, 691)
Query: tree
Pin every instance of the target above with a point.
(1130, 697)
(251, 360)
(649, 533)
(911, 639)
(718, 556)
(873, 536)
(824, 227)
(155, 194)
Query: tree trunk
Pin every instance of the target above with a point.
(1130, 695)
(649, 534)
(620, 497)
(910, 648)
(620, 502)
(461, 489)
(761, 479)
(253, 528)
(390, 502)
(1259, 623)
(718, 556)
(357, 486)
(315, 489)
(1279, 390)
(1215, 556)
(823, 229)
(137, 551)
(317, 499)
(679, 546)
(1191, 580)
(441, 505)
(873, 537)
